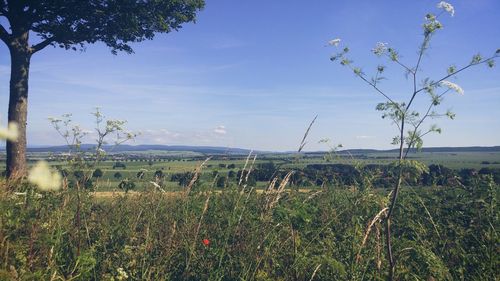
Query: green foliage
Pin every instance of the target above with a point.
(126, 185)
(97, 173)
(441, 233)
(116, 24)
(221, 182)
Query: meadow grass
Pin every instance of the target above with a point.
(235, 234)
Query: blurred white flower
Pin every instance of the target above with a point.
(452, 86)
(10, 133)
(334, 42)
(380, 48)
(447, 7)
(45, 179)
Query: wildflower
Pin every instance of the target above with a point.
(380, 49)
(432, 26)
(334, 42)
(10, 133)
(122, 274)
(206, 242)
(44, 178)
(447, 7)
(452, 86)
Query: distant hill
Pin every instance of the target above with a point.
(425, 149)
(138, 148)
(241, 151)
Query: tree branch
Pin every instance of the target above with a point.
(401, 64)
(4, 35)
(374, 87)
(37, 47)
(456, 72)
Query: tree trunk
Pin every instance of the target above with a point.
(20, 55)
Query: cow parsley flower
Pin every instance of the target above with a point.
(452, 86)
(334, 42)
(45, 179)
(10, 133)
(380, 48)
(447, 7)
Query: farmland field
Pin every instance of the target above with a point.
(183, 162)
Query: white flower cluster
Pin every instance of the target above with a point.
(447, 7)
(452, 86)
(122, 274)
(42, 176)
(334, 42)
(10, 133)
(380, 48)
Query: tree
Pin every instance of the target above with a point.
(126, 185)
(79, 174)
(221, 182)
(97, 173)
(72, 24)
(117, 175)
(119, 165)
(159, 174)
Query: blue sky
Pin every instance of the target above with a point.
(253, 74)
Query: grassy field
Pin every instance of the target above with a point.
(440, 234)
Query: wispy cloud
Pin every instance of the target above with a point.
(364, 137)
(220, 130)
(164, 136)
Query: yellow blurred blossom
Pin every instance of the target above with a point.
(10, 133)
(45, 179)
(122, 274)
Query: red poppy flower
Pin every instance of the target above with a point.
(206, 242)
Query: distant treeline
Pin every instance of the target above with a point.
(345, 175)
(384, 176)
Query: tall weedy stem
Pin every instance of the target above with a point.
(403, 113)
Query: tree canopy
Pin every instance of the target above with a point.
(71, 24)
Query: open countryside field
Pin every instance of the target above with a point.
(142, 166)
(256, 140)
